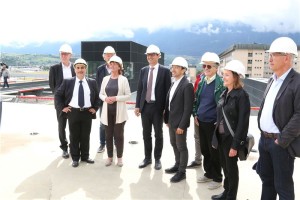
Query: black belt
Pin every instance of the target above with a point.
(80, 109)
(150, 101)
(270, 135)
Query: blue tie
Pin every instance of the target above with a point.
(81, 95)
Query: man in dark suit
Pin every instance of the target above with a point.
(78, 99)
(278, 120)
(179, 107)
(57, 74)
(103, 71)
(153, 86)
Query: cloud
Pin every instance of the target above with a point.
(36, 21)
(209, 29)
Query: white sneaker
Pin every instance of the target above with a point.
(203, 179)
(120, 162)
(108, 162)
(214, 185)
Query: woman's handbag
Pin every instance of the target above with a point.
(247, 145)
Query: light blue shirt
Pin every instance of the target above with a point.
(267, 123)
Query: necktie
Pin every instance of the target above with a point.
(80, 95)
(149, 87)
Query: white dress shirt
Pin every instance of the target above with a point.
(172, 91)
(155, 71)
(266, 120)
(67, 72)
(87, 101)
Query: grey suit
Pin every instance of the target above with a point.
(178, 116)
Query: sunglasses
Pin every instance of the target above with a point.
(206, 66)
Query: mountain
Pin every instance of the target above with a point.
(191, 42)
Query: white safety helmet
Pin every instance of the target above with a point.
(109, 49)
(180, 61)
(65, 48)
(152, 49)
(210, 57)
(80, 61)
(283, 45)
(236, 66)
(117, 59)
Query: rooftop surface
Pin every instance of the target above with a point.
(31, 166)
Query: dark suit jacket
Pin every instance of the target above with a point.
(162, 85)
(64, 94)
(101, 73)
(181, 105)
(56, 76)
(286, 110)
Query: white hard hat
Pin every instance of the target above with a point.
(117, 59)
(180, 61)
(210, 57)
(80, 61)
(236, 66)
(284, 45)
(152, 49)
(65, 48)
(109, 49)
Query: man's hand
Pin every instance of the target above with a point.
(137, 112)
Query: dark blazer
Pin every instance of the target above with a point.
(286, 110)
(181, 105)
(162, 85)
(56, 76)
(237, 110)
(101, 73)
(64, 94)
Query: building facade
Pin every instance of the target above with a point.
(254, 57)
(131, 53)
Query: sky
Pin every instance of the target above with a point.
(38, 21)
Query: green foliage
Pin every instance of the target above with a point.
(36, 60)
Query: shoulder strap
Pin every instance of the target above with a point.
(228, 125)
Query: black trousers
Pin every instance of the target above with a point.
(180, 149)
(114, 132)
(230, 167)
(62, 121)
(152, 117)
(80, 123)
(211, 161)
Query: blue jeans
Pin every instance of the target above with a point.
(275, 167)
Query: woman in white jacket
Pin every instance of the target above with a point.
(114, 93)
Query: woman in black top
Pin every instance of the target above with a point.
(234, 102)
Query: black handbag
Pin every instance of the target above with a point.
(247, 145)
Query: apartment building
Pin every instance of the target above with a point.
(254, 57)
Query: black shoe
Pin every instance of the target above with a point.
(75, 164)
(157, 165)
(145, 163)
(88, 161)
(221, 196)
(178, 177)
(65, 154)
(101, 148)
(171, 170)
(193, 164)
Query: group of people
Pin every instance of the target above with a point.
(5, 74)
(219, 104)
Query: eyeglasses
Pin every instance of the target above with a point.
(206, 66)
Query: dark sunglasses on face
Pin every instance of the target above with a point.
(206, 66)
